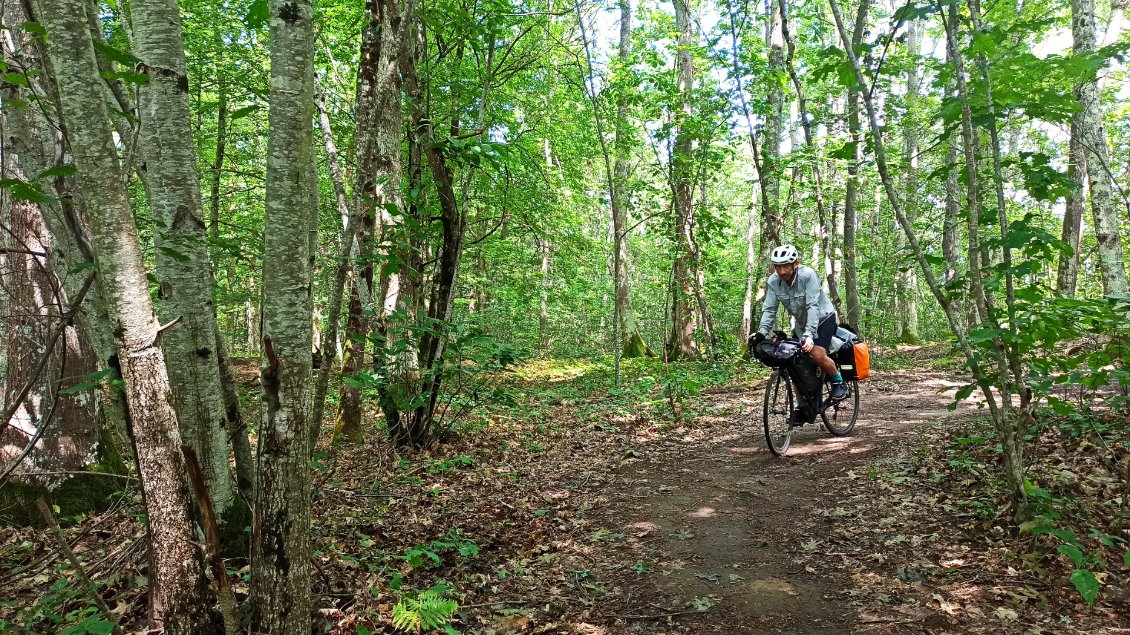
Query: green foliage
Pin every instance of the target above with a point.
(429, 555)
(62, 609)
(1082, 577)
(426, 610)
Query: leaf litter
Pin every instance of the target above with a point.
(527, 515)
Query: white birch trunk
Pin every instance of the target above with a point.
(183, 601)
(907, 280)
(851, 188)
(183, 267)
(1090, 126)
(280, 551)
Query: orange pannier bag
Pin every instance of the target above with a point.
(862, 360)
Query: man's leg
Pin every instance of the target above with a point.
(820, 356)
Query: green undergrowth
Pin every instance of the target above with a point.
(938, 356)
(648, 390)
(1073, 548)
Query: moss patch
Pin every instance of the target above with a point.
(636, 346)
(91, 491)
(234, 534)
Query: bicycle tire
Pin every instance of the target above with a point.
(843, 414)
(776, 411)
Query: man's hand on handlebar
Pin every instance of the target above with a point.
(806, 343)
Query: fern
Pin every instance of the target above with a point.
(429, 609)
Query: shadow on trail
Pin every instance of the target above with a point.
(716, 524)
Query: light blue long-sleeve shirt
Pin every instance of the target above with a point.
(804, 299)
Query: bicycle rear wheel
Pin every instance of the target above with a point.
(840, 417)
(777, 412)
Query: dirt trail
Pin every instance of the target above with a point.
(722, 520)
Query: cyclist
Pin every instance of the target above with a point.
(798, 288)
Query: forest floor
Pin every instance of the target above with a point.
(559, 507)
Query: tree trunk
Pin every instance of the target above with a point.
(1068, 272)
(951, 224)
(543, 312)
(53, 443)
(348, 424)
(681, 343)
(280, 552)
(183, 601)
(348, 246)
(1089, 124)
(381, 177)
(753, 277)
(774, 133)
(1007, 354)
(367, 200)
(827, 225)
(30, 144)
(979, 376)
(237, 429)
(851, 188)
(632, 343)
(221, 148)
(453, 220)
(751, 271)
(185, 273)
(906, 280)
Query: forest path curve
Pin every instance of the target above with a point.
(715, 520)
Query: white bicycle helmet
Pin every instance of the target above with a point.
(784, 255)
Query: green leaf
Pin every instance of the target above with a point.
(101, 627)
(80, 267)
(257, 15)
(846, 151)
(35, 28)
(22, 191)
(1060, 406)
(1073, 552)
(245, 111)
(1126, 558)
(126, 77)
(1086, 584)
(89, 381)
(983, 43)
(361, 630)
(845, 75)
(15, 79)
(58, 170)
(122, 57)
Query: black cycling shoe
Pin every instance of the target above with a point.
(839, 390)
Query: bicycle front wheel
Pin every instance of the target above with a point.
(777, 413)
(840, 417)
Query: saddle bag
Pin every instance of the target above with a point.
(807, 382)
(854, 359)
(776, 353)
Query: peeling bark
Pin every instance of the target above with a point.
(183, 267)
(280, 551)
(1090, 127)
(851, 188)
(178, 578)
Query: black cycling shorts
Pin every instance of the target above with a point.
(825, 331)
